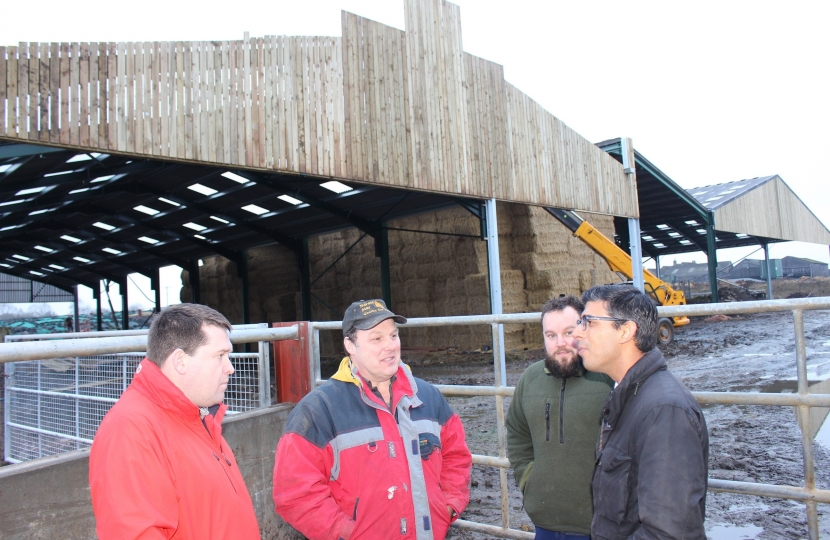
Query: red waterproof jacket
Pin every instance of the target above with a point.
(155, 471)
(349, 468)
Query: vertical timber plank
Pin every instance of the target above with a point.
(74, 96)
(44, 90)
(134, 95)
(4, 63)
(13, 129)
(84, 95)
(34, 90)
(189, 152)
(156, 102)
(54, 92)
(23, 88)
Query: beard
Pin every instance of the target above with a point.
(573, 368)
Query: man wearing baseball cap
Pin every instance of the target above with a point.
(373, 452)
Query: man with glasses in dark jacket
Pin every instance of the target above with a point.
(653, 449)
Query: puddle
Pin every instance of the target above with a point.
(733, 532)
(758, 507)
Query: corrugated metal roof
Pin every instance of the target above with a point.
(69, 217)
(717, 195)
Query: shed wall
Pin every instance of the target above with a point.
(379, 105)
(772, 210)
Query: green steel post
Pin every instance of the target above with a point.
(712, 256)
(125, 310)
(195, 286)
(97, 295)
(242, 272)
(385, 277)
(305, 279)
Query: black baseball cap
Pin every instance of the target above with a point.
(366, 314)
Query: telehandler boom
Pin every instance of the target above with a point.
(620, 262)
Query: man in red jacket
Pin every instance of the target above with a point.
(159, 466)
(373, 453)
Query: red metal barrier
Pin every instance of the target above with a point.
(292, 364)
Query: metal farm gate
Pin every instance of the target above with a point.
(54, 406)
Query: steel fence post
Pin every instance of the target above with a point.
(500, 376)
(804, 421)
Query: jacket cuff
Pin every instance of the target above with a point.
(455, 505)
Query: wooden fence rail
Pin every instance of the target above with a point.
(380, 105)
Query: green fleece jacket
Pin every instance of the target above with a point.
(552, 427)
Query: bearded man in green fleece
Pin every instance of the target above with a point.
(552, 428)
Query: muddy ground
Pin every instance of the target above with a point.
(747, 443)
(759, 444)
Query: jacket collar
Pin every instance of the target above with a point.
(652, 362)
(404, 383)
(152, 383)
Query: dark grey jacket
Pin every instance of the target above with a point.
(652, 458)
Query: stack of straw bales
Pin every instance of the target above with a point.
(431, 275)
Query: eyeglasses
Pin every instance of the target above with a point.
(586, 320)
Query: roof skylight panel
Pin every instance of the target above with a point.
(146, 210)
(204, 190)
(290, 200)
(336, 187)
(254, 209)
(235, 177)
(29, 191)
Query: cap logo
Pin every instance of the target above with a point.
(369, 308)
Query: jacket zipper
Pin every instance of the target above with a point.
(218, 446)
(562, 412)
(354, 514)
(547, 421)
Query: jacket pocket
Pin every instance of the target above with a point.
(611, 498)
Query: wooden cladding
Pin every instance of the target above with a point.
(379, 105)
(771, 210)
(271, 103)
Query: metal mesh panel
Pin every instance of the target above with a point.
(54, 406)
(243, 387)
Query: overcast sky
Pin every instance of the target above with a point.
(709, 91)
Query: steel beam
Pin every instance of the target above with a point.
(126, 342)
(712, 257)
(195, 282)
(636, 253)
(125, 310)
(97, 293)
(304, 266)
(769, 270)
(494, 270)
(242, 272)
(385, 277)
